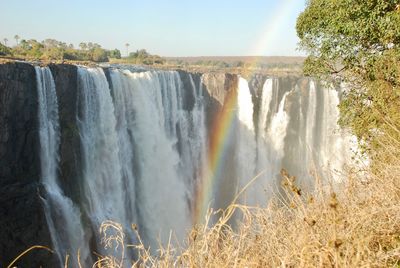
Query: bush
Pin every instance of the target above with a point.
(5, 51)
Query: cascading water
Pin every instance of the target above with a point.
(310, 125)
(276, 134)
(271, 132)
(246, 153)
(334, 141)
(145, 149)
(63, 218)
(150, 104)
(104, 188)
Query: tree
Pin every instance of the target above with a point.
(5, 41)
(35, 49)
(24, 45)
(4, 51)
(127, 46)
(53, 53)
(83, 46)
(349, 37)
(51, 43)
(99, 55)
(16, 37)
(116, 54)
(356, 42)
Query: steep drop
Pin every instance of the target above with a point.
(145, 143)
(63, 218)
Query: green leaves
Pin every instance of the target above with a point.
(359, 42)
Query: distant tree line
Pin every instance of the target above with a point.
(220, 64)
(141, 56)
(51, 49)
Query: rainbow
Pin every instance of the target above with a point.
(271, 30)
(223, 126)
(219, 140)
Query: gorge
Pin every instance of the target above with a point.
(155, 148)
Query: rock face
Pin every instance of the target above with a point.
(190, 83)
(65, 79)
(22, 222)
(215, 89)
(22, 216)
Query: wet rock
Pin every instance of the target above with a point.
(22, 222)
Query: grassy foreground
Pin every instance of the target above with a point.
(357, 225)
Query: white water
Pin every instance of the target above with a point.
(310, 125)
(102, 182)
(149, 108)
(334, 141)
(276, 134)
(259, 190)
(246, 139)
(144, 150)
(63, 218)
(272, 127)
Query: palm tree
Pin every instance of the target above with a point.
(16, 37)
(5, 41)
(127, 45)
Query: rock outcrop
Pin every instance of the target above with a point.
(22, 218)
(66, 81)
(215, 89)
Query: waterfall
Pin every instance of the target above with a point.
(271, 132)
(145, 147)
(334, 141)
(102, 181)
(310, 125)
(246, 153)
(276, 135)
(161, 150)
(63, 218)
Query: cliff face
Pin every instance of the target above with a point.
(296, 127)
(66, 81)
(215, 89)
(22, 220)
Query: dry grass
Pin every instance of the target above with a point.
(357, 225)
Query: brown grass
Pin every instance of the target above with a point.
(355, 225)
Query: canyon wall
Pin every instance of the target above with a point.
(150, 148)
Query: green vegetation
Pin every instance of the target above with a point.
(244, 63)
(357, 42)
(141, 57)
(353, 224)
(4, 51)
(51, 49)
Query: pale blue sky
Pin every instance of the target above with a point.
(164, 27)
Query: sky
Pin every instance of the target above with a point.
(164, 27)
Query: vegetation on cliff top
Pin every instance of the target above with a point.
(359, 43)
(354, 224)
(51, 49)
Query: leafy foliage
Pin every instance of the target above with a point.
(143, 57)
(4, 51)
(358, 43)
(51, 49)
